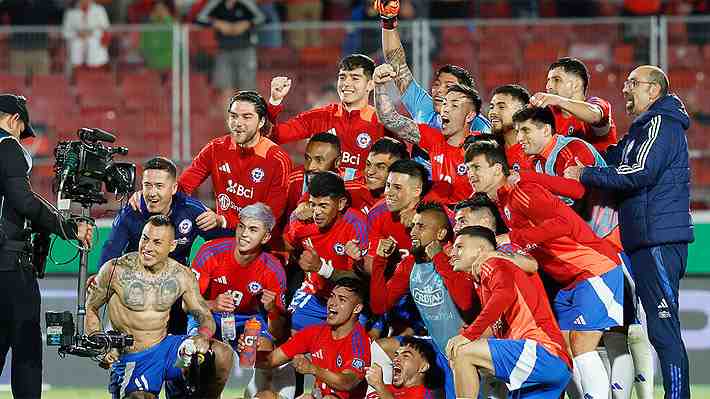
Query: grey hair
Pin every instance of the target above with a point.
(259, 211)
(657, 75)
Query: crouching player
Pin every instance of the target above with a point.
(139, 289)
(240, 281)
(528, 351)
(415, 374)
(339, 349)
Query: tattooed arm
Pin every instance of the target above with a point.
(98, 296)
(395, 56)
(404, 127)
(195, 304)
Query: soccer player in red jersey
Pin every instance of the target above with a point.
(240, 281)
(322, 155)
(505, 102)
(335, 239)
(237, 277)
(576, 115)
(354, 120)
(245, 167)
(566, 248)
(339, 348)
(445, 145)
(415, 373)
(527, 349)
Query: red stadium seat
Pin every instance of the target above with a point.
(50, 85)
(687, 55)
(541, 53)
(86, 78)
(319, 56)
(682, 78)
(624, 54)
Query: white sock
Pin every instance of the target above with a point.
(622, 365)
(642, 355)
(380, 357)
(574, 388)
(595, 380)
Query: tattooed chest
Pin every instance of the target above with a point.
(141, 292)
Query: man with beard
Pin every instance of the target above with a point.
(527, 350)
(353, 120)
(505, 102)
(440, 294)
(245, 166)
(139, 289)
(575, 114)
(445, 146)
(414, 372)
(335, 239)
(588, 268)
(240, 281)
(339, 348)
(648, 170)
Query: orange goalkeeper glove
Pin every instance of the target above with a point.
(388, 10)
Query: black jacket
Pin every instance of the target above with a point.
(17, 199)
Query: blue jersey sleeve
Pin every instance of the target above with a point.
(418, 103)
(119, 237)
(195, 208)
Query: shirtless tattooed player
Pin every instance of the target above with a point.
(140, 287)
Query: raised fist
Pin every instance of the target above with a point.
(387, 8)
(383, 74)
(280, 86)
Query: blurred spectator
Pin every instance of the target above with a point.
(369, 40)
(29, 51)
(235, 22)
(270, 37)
(698, 31)
(141, 11)
(157, 45)
(578, 9)
(304, 10)
(85, 31)
(524, 8)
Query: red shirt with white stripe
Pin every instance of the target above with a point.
(600, 135)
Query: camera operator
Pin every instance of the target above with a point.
(19, 291)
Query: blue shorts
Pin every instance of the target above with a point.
(146, 370)
(595, 304)
(528, 369)
(307, 310)
(239, 320)
(443, 362)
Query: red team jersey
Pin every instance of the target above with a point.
(329, 245)
(240, 176)
(601, 135)
(415, 392)
(357, 131)
(517, 158)
(381, 223)
(351, 352)
(218, 272)
(447, 165)
(515, 306)
(563, 244)
(296, 188)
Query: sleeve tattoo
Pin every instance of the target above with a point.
(398, 59)
(404, 127)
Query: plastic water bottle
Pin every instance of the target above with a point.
(184, 355)
(247, 357)
(228, 326)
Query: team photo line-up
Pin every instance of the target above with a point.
(424, 249)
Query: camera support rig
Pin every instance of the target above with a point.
(81, 168)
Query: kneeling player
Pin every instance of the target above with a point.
(339, 349)
(528, 351)
(139, 289)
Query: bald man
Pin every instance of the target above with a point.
(649, 171)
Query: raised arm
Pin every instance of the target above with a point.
(402, 126)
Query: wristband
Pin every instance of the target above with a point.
(204, 331)
(389, 23)
(326, 269)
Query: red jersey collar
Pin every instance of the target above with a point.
(364, 113)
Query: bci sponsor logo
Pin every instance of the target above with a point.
(351, 158)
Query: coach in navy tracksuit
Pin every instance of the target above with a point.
(190, 217)
(649, 171)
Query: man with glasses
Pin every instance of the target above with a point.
(649, 170)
